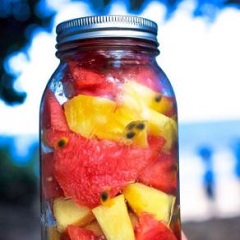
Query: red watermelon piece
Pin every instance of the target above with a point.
(85, 168)
(80, 80)
(161, 174)
(77, 233)
(156, 143)
(84, 78)
(52, 114)
(149, 228)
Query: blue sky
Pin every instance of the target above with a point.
(201, 59)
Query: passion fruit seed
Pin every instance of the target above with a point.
(158, 98)
(131, 125)
(104, 196)
(130, 135)
(140, 126)
(62, 142)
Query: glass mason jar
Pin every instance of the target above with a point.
(109, 135)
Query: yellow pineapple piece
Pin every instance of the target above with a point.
(161, 104)
(160, 124)
(96, 116)
(142, 198)
(118, 120)
(151, 107)
(85, 114)
(114, 220)
(67, 212)
(129, 97)
(106, 119)
(139, 96)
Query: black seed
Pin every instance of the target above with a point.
(140, 126)
(131, 125)
(158, 98)
(61, 143)
(104, 196)
(130, 135)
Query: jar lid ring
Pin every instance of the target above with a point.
(123, 26)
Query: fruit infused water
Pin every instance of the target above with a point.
(109, 135)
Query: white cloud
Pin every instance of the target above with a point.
(119, 8)
(72, 10)
(202, 62)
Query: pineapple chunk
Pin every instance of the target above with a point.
(159, 124)
(85, 114)
(151, 107)
(101, 117)
(142, 198)
(106, 119)
(67, 212)
(114, 220)
(139, 96)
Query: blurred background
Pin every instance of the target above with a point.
(200, 53)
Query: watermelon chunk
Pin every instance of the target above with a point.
(86, 81)
(161, 174)
(85, 167)
(149, 228)
(77, 233)
(52, 113)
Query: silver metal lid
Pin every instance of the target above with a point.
(105, 27)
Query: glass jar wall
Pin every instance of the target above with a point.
(109, 135)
